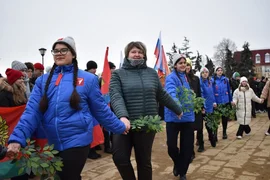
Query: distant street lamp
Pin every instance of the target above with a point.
(42, 53)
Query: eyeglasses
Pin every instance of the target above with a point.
(63, 51)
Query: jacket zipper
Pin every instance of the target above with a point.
(56, 107)
(139, 72)
(245, 107)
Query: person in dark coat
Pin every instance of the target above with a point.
(194, 82)
(252, 85)
(135, 91)
(234, 83)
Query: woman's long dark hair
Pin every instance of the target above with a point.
(74, 99)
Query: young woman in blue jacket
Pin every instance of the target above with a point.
(210, 102)
(174, 85)
(64, 102)
(222, 92)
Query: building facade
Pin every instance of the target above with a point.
(261, 60)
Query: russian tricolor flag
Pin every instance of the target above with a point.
(161, 64)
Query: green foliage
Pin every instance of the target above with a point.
(198, 62)
(230, 63)
(246, 65)
(210, 65)
(213, 119)
(148, 124)
(3, 131)
(184, 50)
(41, 161)
(189, 100)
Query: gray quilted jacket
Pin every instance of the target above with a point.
(136, 91)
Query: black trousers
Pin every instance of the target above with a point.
(122, 146)
(253, 113)
(224, 123)
(180, 156)
(243, 128)
(73, 160)
(107, 138)
(199, 136)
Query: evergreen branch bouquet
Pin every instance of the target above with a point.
(147, 123)
(41, 161)
(190, 100)
(3, 132)
(213, 119)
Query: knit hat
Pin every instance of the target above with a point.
(17, 65)
(69, 42)
(218, 68)
(204, 69)
(39, 66)
(243, 79)
(112, 66)
(176, 57)
(91, 65)
(13, 75)
(235, 75)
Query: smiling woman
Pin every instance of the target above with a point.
(66, 100)
(135, 92)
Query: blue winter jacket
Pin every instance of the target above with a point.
(207, 94)
(175, 88)
(221, 88)
(65, 127)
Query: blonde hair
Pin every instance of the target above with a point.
(19, 95)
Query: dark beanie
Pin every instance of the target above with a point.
(91, 65)
(112, 66)
(29, 65)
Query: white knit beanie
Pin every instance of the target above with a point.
(243, 79)
(204, 69)
(176, 57)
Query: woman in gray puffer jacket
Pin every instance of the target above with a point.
(135, 91)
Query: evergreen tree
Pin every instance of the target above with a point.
(198, 62)
(230, 65)
(174, 50)
(186, 50)
(246, 65)
(210, 65)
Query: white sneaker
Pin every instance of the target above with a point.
(248, 134)
(239, 137)
(267, 133)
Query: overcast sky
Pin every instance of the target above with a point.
(27, 25)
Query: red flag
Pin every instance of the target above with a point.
(106, 77)
(12, 115)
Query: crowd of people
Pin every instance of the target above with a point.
(66, 102)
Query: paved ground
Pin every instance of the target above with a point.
(245, 159)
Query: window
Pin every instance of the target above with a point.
(267, 58)
(258, 59)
